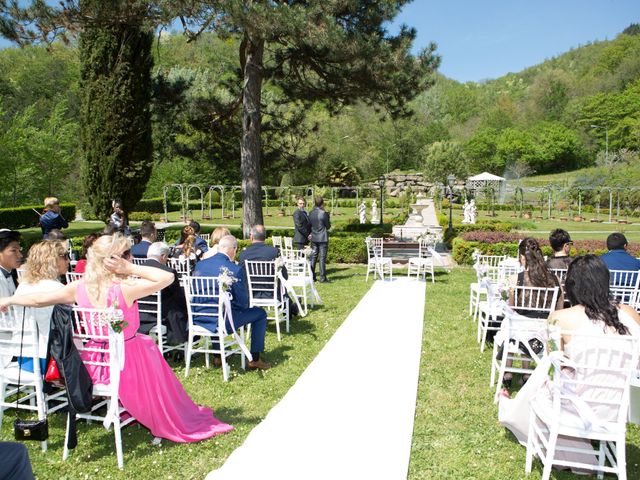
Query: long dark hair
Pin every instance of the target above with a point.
(539, 273)
(587, 284)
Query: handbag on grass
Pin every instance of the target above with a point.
(37, 430)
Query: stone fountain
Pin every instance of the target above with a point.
(423, 219)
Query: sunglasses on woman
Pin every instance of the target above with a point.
(126, 254)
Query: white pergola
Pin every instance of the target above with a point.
(484, 180)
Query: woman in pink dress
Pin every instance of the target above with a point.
(149, 389)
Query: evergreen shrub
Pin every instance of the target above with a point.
(25, 217)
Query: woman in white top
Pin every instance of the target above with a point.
(593, 313)
(47, 261)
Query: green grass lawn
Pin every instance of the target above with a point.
(456, 433)
(243, 402)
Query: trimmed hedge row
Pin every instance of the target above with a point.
(25, 217)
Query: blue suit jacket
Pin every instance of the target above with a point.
(51, 220)
(140, 250)
(258, 251)
(620, 260)
(211, 267)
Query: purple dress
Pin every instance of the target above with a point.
(149, 389)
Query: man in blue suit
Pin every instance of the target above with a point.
(617, 258)
(240, 310)
(258, 250)
(148, 234)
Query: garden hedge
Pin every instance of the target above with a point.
(25, 217)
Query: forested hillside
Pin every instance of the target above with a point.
(535, 121)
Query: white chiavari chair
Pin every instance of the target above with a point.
(376, 261)
(206, 303)
(266, 291)
(101, 349)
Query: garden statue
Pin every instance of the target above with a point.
(473, 212)
(362, 212)
(374, 212)
(465, 212)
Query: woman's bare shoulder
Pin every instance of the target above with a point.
(630, 312)
(567, 317)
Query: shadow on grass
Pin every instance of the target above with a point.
(234, 416)
(632, 452)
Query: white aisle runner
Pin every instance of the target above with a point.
(350, 414)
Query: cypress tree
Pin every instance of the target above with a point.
(115, 117)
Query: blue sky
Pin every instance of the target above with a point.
(483, 39)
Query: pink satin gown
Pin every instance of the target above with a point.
(149, 389)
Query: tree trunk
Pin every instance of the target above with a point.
(250, 146)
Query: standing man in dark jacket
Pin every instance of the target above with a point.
(302, 225)
(52, 218)
(320, 225)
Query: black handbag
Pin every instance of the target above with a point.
(37, 430)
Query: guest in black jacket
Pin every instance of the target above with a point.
(259, 251)
(320, 225)
(302, 225)
(174, 304)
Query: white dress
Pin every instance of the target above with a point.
(513, 413)
(42, 315)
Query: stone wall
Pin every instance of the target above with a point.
(396, 183)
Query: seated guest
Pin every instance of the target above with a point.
(52, 217)
(217, 234)
(535, 274)
(242, 313)
(617, 258)
(201, 245)
(184, 250)
(593, 313)
(86, 244)
(258, 250)
(149, 389)
(148, 234)
(14, 462)
(10, 259)
(174, 305)
(561, 244)
(54, 235)
(46, 262)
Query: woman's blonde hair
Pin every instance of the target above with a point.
(217, 234)
(97, 278)
(42, 263)
(50, 202)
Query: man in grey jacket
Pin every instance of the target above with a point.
(320, 225)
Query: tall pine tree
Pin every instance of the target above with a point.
(335, 51)
(115, 74)
(115, 39)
